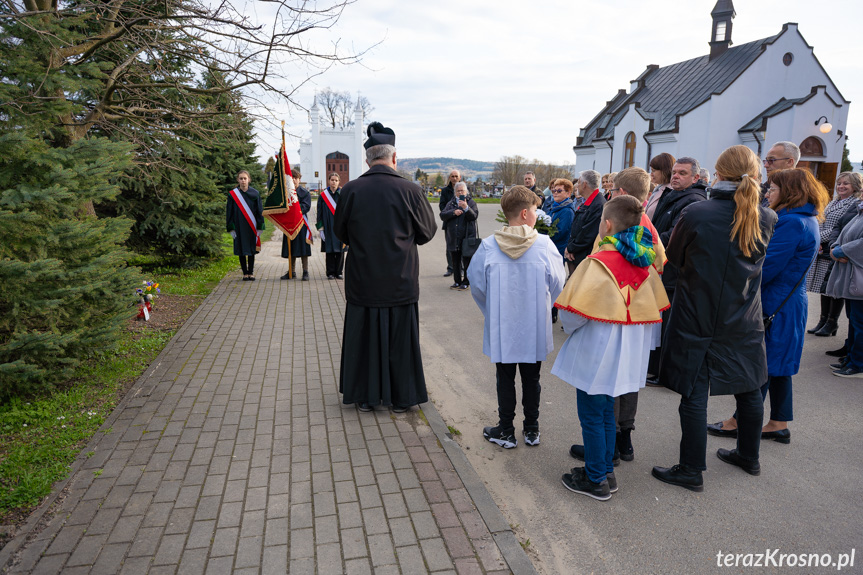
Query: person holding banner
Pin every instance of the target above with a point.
(300, 246)
(244, 220)
(330, 243)
(383, 218)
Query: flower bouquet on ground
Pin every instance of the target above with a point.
(543, 224)
(147, 294)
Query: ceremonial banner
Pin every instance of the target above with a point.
(282, 206)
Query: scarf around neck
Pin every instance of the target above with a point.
(635, 244)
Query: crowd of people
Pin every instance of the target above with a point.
(669, 278)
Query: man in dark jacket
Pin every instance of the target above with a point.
(585, 223)
(446, 195)
(530, 184)
(686, 189)
(382, 218)
(299, 247)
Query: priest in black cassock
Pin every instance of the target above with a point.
(382, 218)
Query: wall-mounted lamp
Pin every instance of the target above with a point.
(841, 133)
(826, 126)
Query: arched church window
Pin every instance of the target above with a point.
(629, 150)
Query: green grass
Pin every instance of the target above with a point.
(41, 436)
(201, 280)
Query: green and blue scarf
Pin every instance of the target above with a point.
(635, 244)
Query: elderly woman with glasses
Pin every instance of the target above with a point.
(848, 189)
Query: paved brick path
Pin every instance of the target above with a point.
(233, 454)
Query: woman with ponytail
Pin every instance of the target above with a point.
(714, 343)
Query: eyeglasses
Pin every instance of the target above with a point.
(614, 190)
(769, 161)
(559, 191)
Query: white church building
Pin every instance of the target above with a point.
(331, 150)
(755, 94)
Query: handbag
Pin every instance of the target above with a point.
(768, 319)
(470, 245)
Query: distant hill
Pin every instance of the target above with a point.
(469, 169)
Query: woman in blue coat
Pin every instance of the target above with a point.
(799, 201)
(561, 209)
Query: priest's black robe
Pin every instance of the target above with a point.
(383, 218)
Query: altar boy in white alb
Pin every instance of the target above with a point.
(514, 276)
(608, 307)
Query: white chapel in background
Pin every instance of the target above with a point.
(755, 94)
(332, 150)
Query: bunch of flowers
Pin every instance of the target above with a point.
(147, 294)
(543, 224)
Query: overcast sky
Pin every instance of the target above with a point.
(483, 79)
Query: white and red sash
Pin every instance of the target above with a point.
(309, 238)
(247, 213)
(329, 200)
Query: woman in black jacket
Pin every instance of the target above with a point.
(459, 216)
(714, 343)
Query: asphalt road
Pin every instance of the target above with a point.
(806, 500)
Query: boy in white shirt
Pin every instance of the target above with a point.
(514, 277)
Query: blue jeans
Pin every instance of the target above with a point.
(855, 332)
(598, 430)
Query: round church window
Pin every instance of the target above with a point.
(787, 58)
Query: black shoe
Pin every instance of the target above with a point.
(338, 276)
(455, 286)
(399, 408)
(653, 382)
(287, 276)
(829, 328)
(780, 436)
(577, 482)
(612, 482)
(681, 476)
(554, 315)
(843, 362)
(245, 278)
(717, 430)
(624, 445)
(251, 278)
(305, 276)
(577, 451)
(841, 352)
(503, 437)
(294, 276)
(364, 407)
(331, 277)
(531, 436)
(848, 371)
(731, 456)
(448, 273)
(463, 287)
(819, 325)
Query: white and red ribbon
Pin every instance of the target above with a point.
(329, 201)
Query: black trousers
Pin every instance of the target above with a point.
(335, 263)
(653, 361)
(693, 423)
(247, 263)
(459, 268)
(448, 261)
(530, 390)
(625, 407)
